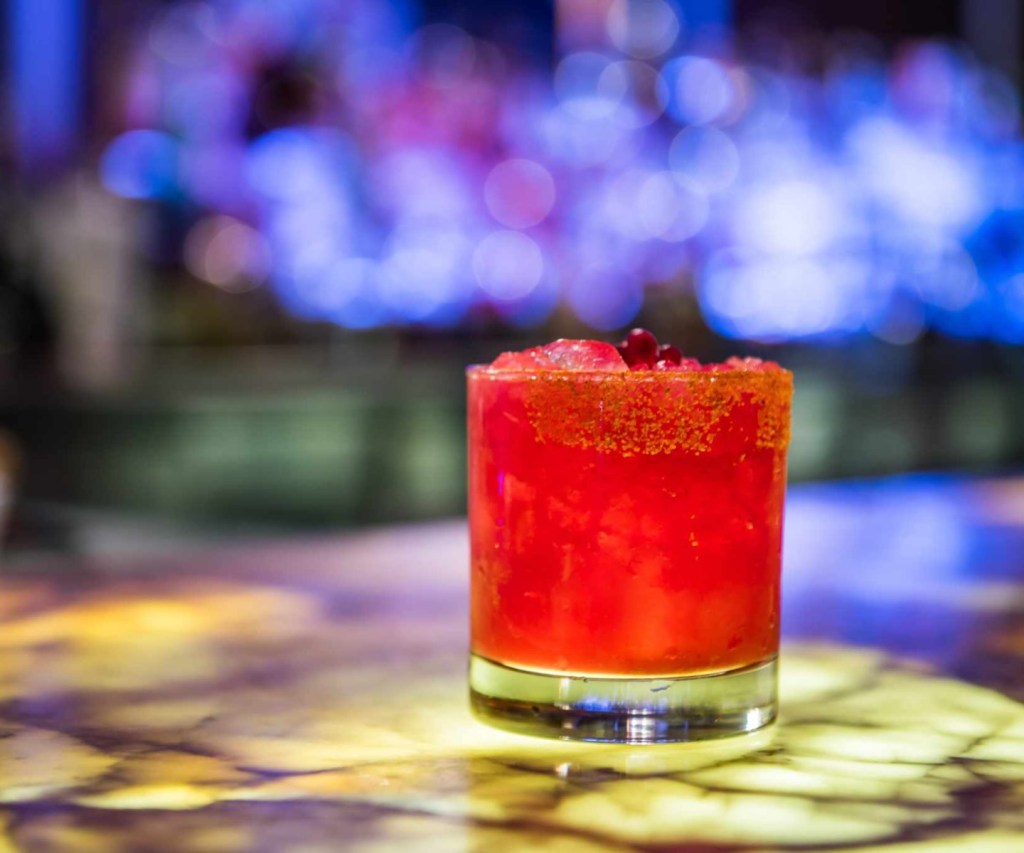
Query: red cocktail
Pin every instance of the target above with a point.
(626, 529)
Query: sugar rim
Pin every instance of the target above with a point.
(714, 370)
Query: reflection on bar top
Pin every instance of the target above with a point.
(306, 695)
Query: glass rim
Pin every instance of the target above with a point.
(731, 374)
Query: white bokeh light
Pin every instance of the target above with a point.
(508, 265)
(702, 90)
(577, 142)
(916, 178)
(620, 204)
(791, 217)
(423, 271)
(643, 205)
(773, 299)
(668, 210)
(420, 181)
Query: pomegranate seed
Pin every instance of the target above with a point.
(641, 347)
(669, 353)
(628, 355)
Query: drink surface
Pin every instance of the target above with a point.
(627, 522)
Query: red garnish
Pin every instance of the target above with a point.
(640, 351)
(669, 353)
(643, 345)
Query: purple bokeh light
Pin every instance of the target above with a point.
(423, 174)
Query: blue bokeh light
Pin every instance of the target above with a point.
(44, 53)
(704, 158)
(141, 164)
(701, 89)
(881, 196)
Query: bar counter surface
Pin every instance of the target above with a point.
(311, 696)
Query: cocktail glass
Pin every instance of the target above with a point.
(626, 533)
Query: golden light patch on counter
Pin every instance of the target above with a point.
(6, 843)
(156, 719)
(654, 811)
(168, 765)
(210, 609)
(37, 763)
(237, 716)
(167, 796)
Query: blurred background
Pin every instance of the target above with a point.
(247, 247)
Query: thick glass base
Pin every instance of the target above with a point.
(624, 710)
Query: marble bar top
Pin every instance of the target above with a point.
(310, 696)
